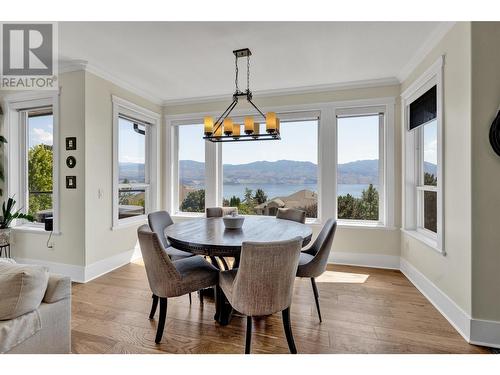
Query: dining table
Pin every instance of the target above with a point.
(209, 237)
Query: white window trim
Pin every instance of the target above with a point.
(327, 157)
(16, 180)
(124, 107)
(411, 212)
(386, 160)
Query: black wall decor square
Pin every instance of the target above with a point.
(70, 182)
(70, 143)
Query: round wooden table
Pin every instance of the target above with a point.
(208, 236)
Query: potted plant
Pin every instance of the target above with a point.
(8, 214)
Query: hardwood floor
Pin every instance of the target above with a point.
(364, 310)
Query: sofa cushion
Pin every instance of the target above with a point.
(22, 288)
(15, 331)
(58, 288)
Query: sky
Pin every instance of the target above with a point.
(358, 141)
(131, 144)
(430, 142)
(40, 130)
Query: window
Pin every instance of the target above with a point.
(135, 163)
(296, 171)
(360, 177)
(38, 154)
(260, 177)
(32, 156)
(191, 168)
(423, 201)
(427, 186)
(133, 185)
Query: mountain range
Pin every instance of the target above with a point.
(192, 173)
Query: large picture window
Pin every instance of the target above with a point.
(260, 177)
(191, 168)
(360, 176)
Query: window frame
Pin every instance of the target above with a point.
(327, 156)
(16, 168)
(126, 109)
(413, 153)
(359, 112)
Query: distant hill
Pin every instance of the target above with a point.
(131, 172)
(192, 173)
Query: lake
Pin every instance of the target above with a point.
(282, 190)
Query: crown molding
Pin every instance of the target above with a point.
(83, 65)
(436, 36)
(380, 82)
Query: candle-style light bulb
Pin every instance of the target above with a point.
(249, 125)
(228, 126)
(236, 131)
(271, 122)
(218, 131)
(209, 125)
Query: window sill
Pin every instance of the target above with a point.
(31, 228)
(364, 225)
(129, 222)
(426, 240)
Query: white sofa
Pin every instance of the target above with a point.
(35, 310)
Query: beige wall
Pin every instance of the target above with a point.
(354, 240)
(70, 244)
(100, 240)
(485, 172)
(451, 273)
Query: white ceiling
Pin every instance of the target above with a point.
(180, 60)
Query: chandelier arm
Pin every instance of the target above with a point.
(226, 113)
(258, 110)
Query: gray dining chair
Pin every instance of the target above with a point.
(220, 211)
(292, 214)
(313, 261)
(263, 283)
(158, 222)
(169, 278)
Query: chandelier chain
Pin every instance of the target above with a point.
(236, 79)
(248, 73)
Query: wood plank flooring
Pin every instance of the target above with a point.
(364, 310)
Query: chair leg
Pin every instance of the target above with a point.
(288, 330)
(153, 307)
(316, 297)
(248, 338)
(163, 318)
(190, 298)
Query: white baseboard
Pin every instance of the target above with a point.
(365, 260)
(106, 265)
(485, 332)
(458, 318)
(76, 273)
(81, 274)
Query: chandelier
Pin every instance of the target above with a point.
(226, 130)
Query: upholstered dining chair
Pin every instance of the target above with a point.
(263, 283)
(169, 278)
(291, 214)
(313, 261)
(220, 211)
(158, 221)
